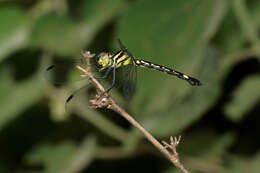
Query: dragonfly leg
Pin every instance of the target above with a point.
(113, 82)
(105, 75)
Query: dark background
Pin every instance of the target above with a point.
(215, 41)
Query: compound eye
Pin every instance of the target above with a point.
(98, 57)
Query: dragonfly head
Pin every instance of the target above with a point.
(103, 59)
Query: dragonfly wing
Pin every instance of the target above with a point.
(129, 81)
(65, 71)
(130, 74)
(80, 97)
(125, 49)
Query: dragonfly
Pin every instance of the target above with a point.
(123, 59)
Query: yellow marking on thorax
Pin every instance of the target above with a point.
(127, 62)
(123, 60)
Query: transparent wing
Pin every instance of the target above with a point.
(124, 49)
(129, 81)
(64, 71)
(130, 74)
(80, 97)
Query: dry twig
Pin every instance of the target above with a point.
(103, 99)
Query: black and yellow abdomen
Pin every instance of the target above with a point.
(167, 70)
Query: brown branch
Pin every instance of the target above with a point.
(104, 100)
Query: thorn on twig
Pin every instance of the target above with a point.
(87, 54)
(173, 144)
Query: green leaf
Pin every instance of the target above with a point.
(55, 33)
(6, 81)
(83, 156)
(210, 152)
(100, 10)
(52, 157)
(65, 157)
(255, 12)
(23, 94)
(244, 99)
(241, 165)
(229, 39)
(59, 34)
(13, 30)
(247, 25)
(95, 15)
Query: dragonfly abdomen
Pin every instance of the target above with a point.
(167, 70)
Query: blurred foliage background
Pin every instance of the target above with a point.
(215, 41)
